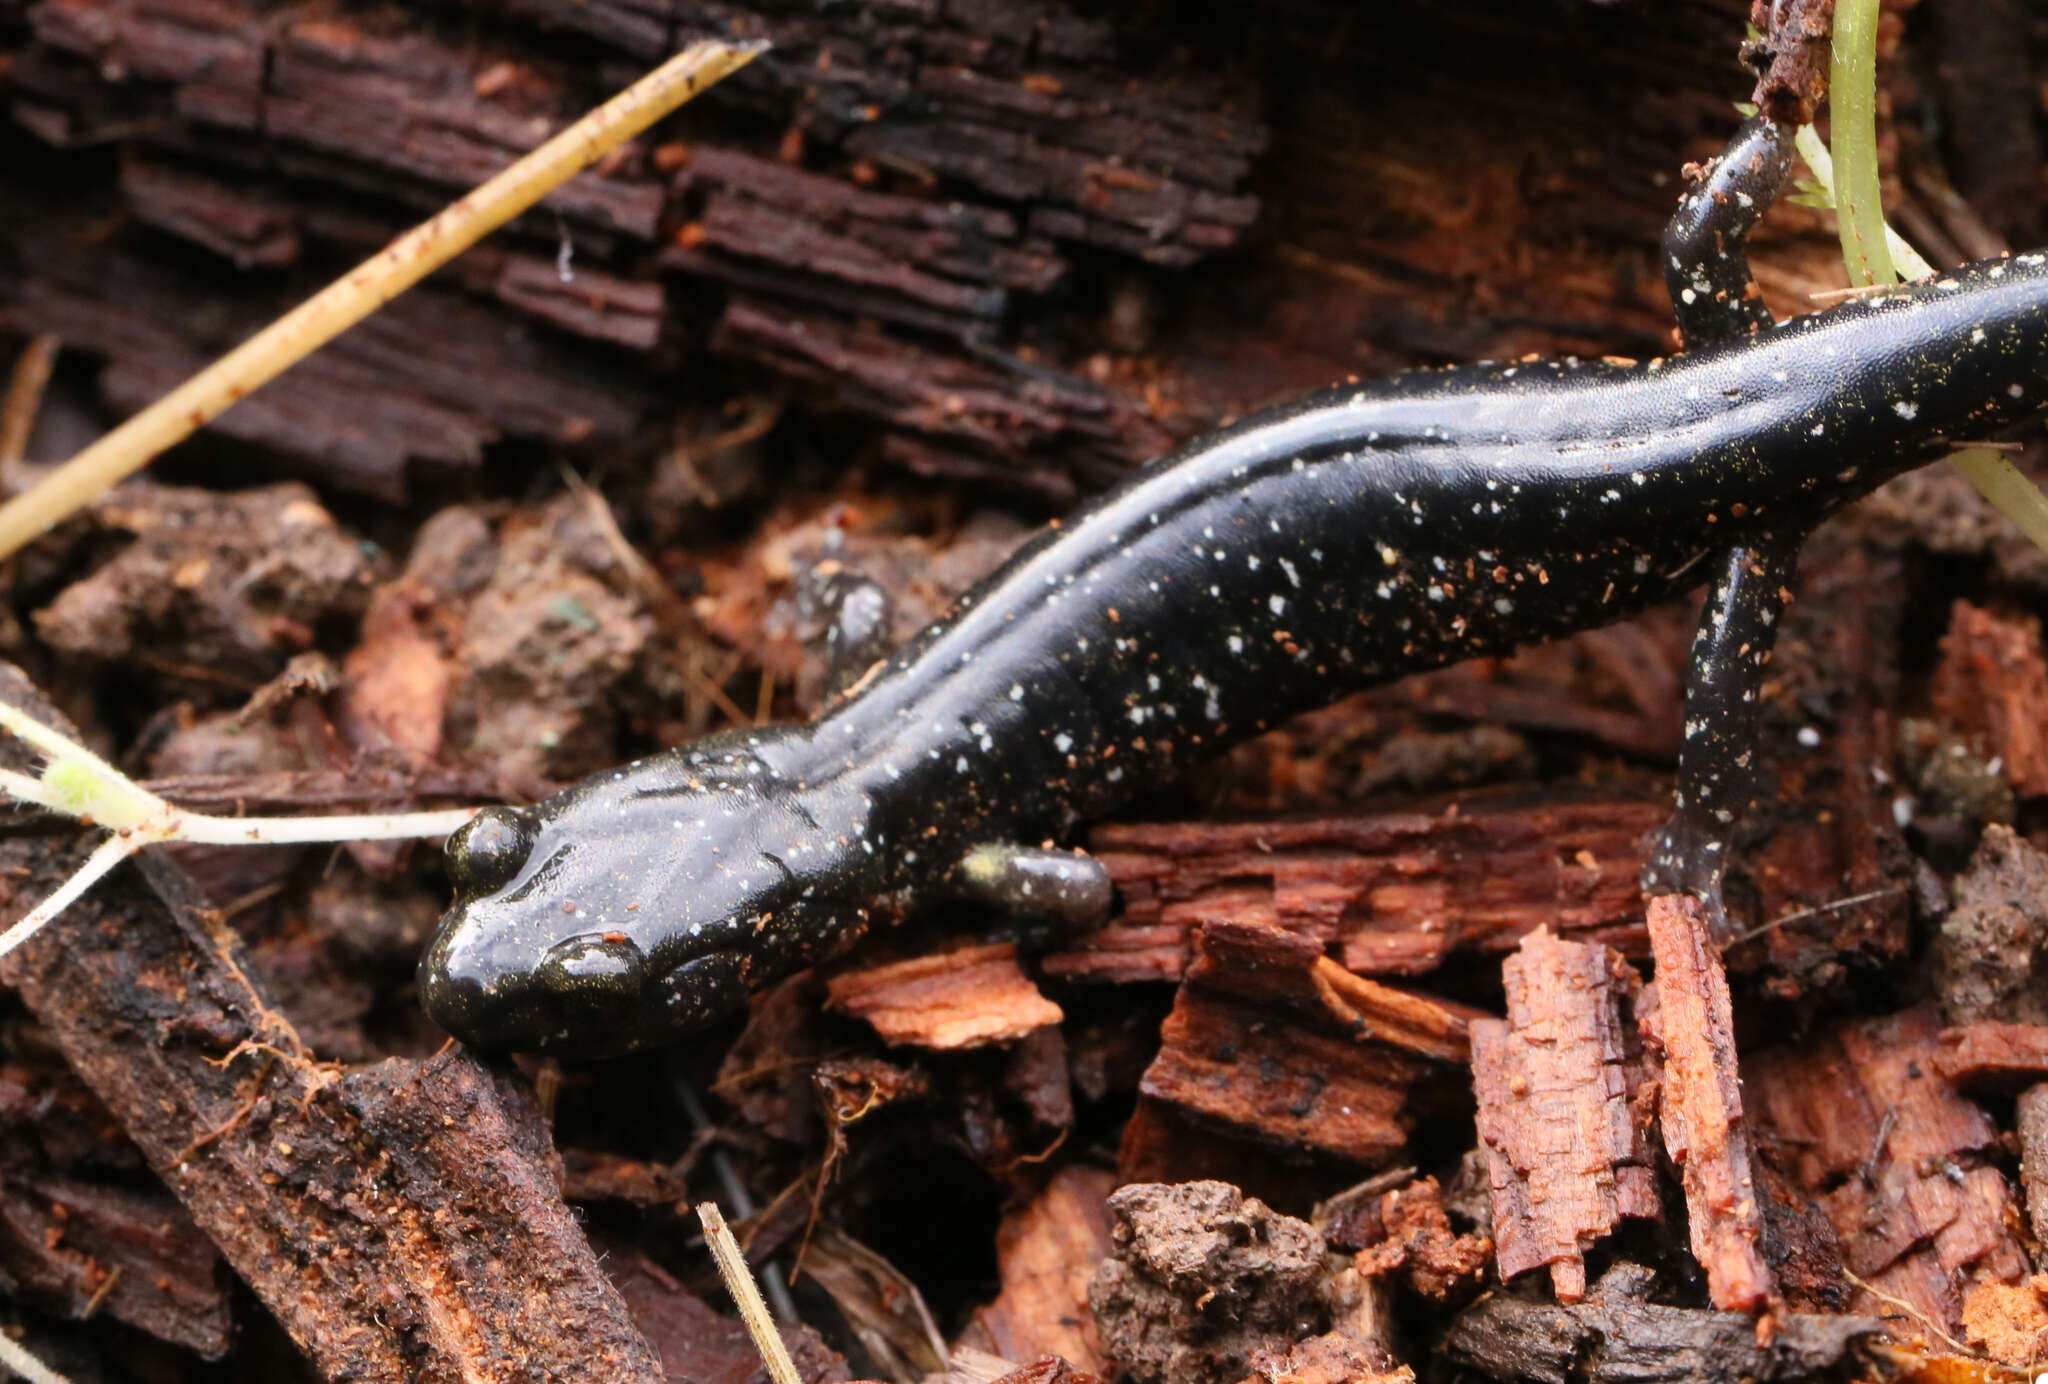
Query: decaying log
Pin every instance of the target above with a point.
(1701, 1103)
(1868, 1128)
(1389, 892)
(1565, 1103)
(1331, 1078)
(401, 1221)
(1989, 1057)
(1046, 1253)
(964, 997)
(1992, 682)
(1151, 167)
(1618, 1336)
(359, 415)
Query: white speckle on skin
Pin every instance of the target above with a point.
(1906, 410)
(1277, 604)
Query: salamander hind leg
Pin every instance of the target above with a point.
(1718, 772)
(1706, 267)
(1068, 889)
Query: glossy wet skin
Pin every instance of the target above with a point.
(705, 876)
(1351, 538)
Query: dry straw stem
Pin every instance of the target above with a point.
(364, 289)
(17, 1358)
(739, 1281)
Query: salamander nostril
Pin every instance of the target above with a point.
(485, 853)
(593, 975)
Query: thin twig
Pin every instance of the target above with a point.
(739, 1281)
(1833, 906)
(364, 289)
(1910, 1310)
(25, 397)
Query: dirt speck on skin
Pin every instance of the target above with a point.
(1989, 960)
(1203, 1279)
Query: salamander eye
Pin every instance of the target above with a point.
(486, 851)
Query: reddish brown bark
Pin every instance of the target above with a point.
(1993, 683)
(1333, 1082)
(1895, 1157)
(1392, 892)
(1565, 1103)
(1046, 1253)
(1701, 1101)
(966, 997)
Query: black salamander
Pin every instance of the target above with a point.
(1352, 537)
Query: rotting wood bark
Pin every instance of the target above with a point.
(1991, 1056)
(1333, 1080)
(1046, 1253)
(1565, 1102)
(1618, 1336)
(1867, 1127)
(964, 997)
(403, 1221)
(1993, 683)
(1701, 1103)
(1394, 892)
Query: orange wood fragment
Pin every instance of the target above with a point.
(1702, 1105)
(1993, 681)
(968, 997)
(1896, 1158)
(1046, 1253)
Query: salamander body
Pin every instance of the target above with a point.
(1355, 536)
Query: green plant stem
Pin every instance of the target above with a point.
(1874, 252)
(1852, 108)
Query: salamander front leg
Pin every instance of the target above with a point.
(1706, 267)
(1069, 889)
(1717, 762)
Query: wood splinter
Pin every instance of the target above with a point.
(1703, 1124)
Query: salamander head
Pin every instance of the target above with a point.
(644, 902)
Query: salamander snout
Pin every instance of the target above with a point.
(482, 985)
